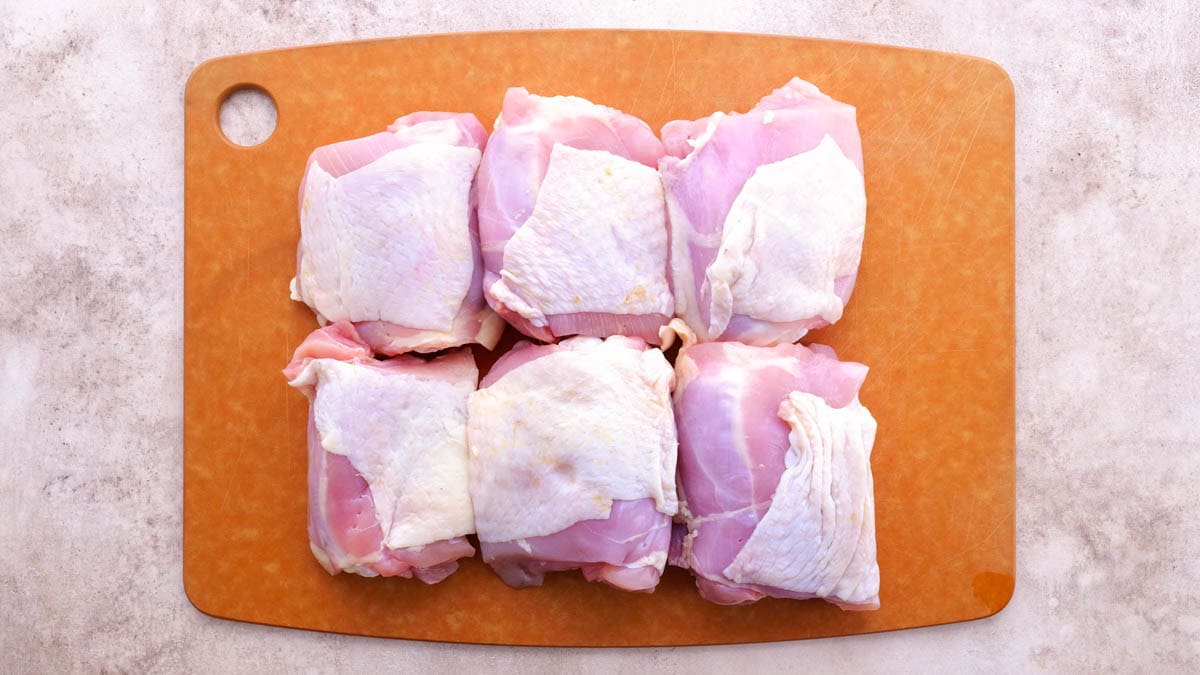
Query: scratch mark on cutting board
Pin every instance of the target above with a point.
(967, 152)
(918, 96)
(637, 96)
(670, 81)
(841, 65)
(945, 134)
(1001, 521)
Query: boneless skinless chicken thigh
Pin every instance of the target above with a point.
(572, 220)
(573, 462)
(775, 474)
(387, 457)
(389, 236)
(767, 212)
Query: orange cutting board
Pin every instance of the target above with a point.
(932, 315)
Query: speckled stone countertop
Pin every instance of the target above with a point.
(1108, 311)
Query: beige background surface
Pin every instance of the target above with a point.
(1108, 312)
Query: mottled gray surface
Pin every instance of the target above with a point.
(91, 179)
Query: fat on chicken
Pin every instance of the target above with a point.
(387, 457)
(775, 475)
(573, 462)
(572, 220)
(389, 237)
(767, 211)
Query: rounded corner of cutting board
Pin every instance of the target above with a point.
(998, 74)
(938, 131)
(198, 597)
(207, 75)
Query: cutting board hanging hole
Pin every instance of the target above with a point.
(248, 116)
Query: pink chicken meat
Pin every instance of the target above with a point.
(775, 477)
(389, 237)
(573, 462)
(572, 220)
(767, 212)
(387, 457)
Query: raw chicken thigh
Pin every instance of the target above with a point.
(775, 474)
(389, 237)
(767, 213)
(572, 220)
(387, 457)
(573, 462)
